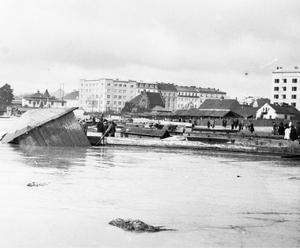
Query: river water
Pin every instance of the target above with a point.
(211, 199)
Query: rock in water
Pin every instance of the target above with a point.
(137, 226)
(35, 184)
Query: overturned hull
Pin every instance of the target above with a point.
(47, 127)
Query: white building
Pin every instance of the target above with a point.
(39, 100)
(187, 97)
(275, 111)
(106, 94)
(286, 86)
(72, 99)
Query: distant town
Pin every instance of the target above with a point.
(115, 96)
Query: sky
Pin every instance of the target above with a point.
(231, 45)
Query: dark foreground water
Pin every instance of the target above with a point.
(197, 193)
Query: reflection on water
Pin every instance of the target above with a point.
(212, 199)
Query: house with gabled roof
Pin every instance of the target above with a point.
(276, 111)
(40, 100)
(144, 102)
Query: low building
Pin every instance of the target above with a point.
(221, 105)
(144, 102)
(39, 100)
(276, 111)
(72, 99)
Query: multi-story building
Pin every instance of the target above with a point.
(193, 97)
(187, 97)
(39, 100)
(146, 87)
(210, 93)
(169, 94)
(286, 87)
(103, 95)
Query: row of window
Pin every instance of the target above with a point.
(284, 96)
(292, 104)
(284, 88)
(284, 80)
(115, 103)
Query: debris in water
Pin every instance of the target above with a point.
(36, 184)
(294, 178)
(137, 226)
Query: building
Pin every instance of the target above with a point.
(276, 111)
(210, 93)
(221, 104)
(39, 100)
(169, 94)
(145, 102)
(146, 87)
(255, 102)
(103, 95)
(187, 97)
(72, 99)
(286, 87)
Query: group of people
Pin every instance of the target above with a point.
(237, 124)
(107, 128)
(287, 130)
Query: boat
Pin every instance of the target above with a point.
(47, 127)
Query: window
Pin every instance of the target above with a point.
(276, 96)
(284, 88)
(108, 102)
(283, 96)
(276, 80)
(115, 96)
(293, 104)
(284, 80)
(294, 80)
(108, 96)
(119, 103)
(108, 84)
(115, 102)
(120, 85)
(294, 88)
(294, 96)
(120, 97)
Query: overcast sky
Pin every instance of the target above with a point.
(206, 43)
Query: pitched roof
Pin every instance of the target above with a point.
(247, 111)
(262, 101)
(287, 110)
(206, 113)
(72, 96)
(166, 87)
(220, 104)
(187, 88)
(155, 99)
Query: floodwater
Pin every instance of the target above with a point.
(211, 199)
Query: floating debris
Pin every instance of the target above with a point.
(294, 178)
(137, 226)
(36, 184)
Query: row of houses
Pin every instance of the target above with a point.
(153, 103)
(111, 94)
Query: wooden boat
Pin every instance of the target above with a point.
(47, 127)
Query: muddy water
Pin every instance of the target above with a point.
(212, 199)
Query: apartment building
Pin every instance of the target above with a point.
(210, 93)
(286, 87)
(105, 94)
(187, 97)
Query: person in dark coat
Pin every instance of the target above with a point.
(251, 127)
(100, 126)
(208, 124)
(293, 134)
(281, 129)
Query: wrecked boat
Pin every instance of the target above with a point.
(47, 127)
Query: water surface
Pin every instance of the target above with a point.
(212, 199)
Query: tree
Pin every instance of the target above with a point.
(6, 96)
